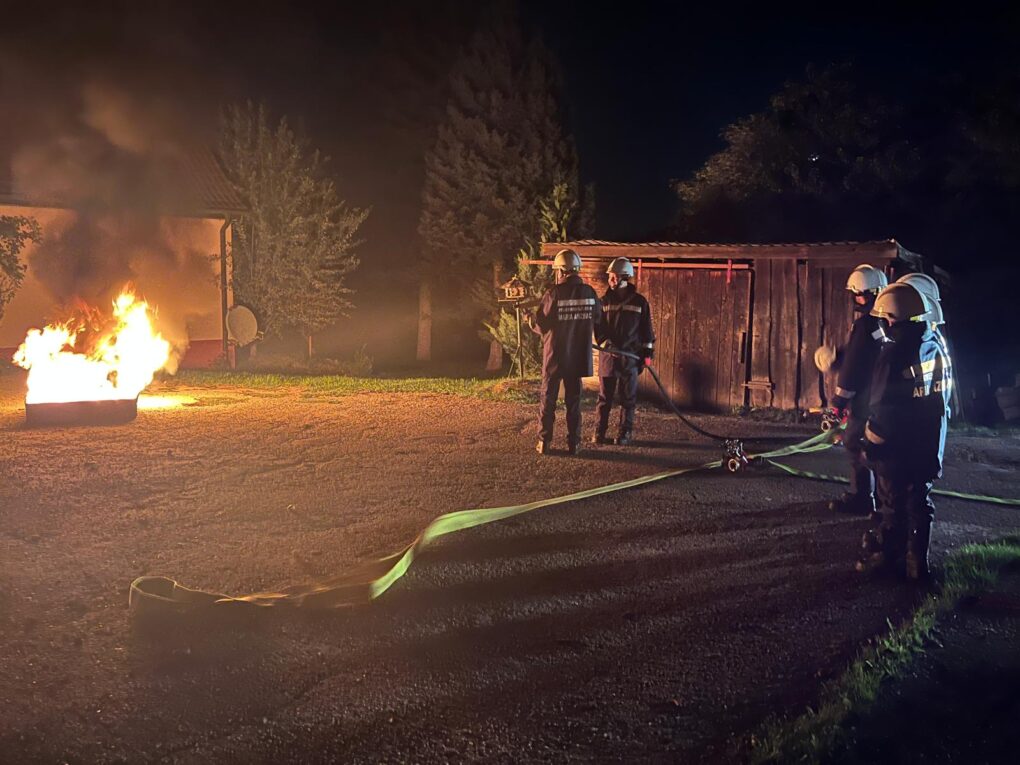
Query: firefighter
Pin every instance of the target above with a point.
(905, 435)
(626, 326)
(566, 319)
(854, 364)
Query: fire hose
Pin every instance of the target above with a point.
(161, 597)
(156, 597)
(733, 446)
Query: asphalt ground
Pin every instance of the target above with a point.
(662, 623)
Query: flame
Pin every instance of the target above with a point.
(92, 358)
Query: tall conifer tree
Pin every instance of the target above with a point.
(500, 149)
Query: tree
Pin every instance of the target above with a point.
(500, 149)
(15, 232)
(822, 160)
(295, 246)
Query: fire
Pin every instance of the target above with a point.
(94, 358)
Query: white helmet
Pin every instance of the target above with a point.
(930, 289)
(901, 302)
(567, 260)
(866, 278)
(622, 268)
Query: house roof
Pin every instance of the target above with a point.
(200, 187)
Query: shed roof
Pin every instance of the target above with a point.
(883, 248)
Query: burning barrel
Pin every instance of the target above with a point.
(111, 412)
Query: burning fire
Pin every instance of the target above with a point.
(94, 358)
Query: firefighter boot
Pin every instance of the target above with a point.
(876, 551)
(853, 504)
(916, 563)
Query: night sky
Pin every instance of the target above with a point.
(649, 85)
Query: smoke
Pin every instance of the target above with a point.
(115, 143)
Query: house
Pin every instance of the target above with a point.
(177, 259)
(737, 324)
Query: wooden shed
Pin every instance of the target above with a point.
(737, 324)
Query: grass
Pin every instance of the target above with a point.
(343, 385)
(811, 736)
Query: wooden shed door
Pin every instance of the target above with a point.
(701, 323)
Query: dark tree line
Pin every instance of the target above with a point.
(831, 159)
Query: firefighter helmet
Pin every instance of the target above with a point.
(930, 289)
(901, 302)
(622, 268)
(567, 260)
(866, 278)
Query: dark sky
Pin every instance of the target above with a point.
(649, 85)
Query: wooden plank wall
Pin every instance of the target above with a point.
(812, 306)
(699, 318)
(761, 384)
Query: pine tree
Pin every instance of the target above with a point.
(500, 149)
(295, 246)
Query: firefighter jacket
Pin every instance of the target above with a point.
(626, 326)
(566, 318)
(906, 430)
(857, 364)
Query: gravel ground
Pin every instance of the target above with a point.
(658, 624)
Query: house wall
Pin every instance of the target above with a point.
(178, 276)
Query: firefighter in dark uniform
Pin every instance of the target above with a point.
(929, 289)
(906, 433)
(855, 363)
(566, 319)
(626, 326)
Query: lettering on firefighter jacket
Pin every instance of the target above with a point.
(627, 326)
(566, 319)
(908, 405)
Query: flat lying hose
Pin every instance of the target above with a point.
(678, 413)
(160, 597)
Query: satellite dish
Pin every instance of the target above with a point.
(242, 326)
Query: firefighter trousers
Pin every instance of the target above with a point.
(547, 413)
(862, 479)
(625, 387)
(907, 514)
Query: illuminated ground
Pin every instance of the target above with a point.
(659, 624)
